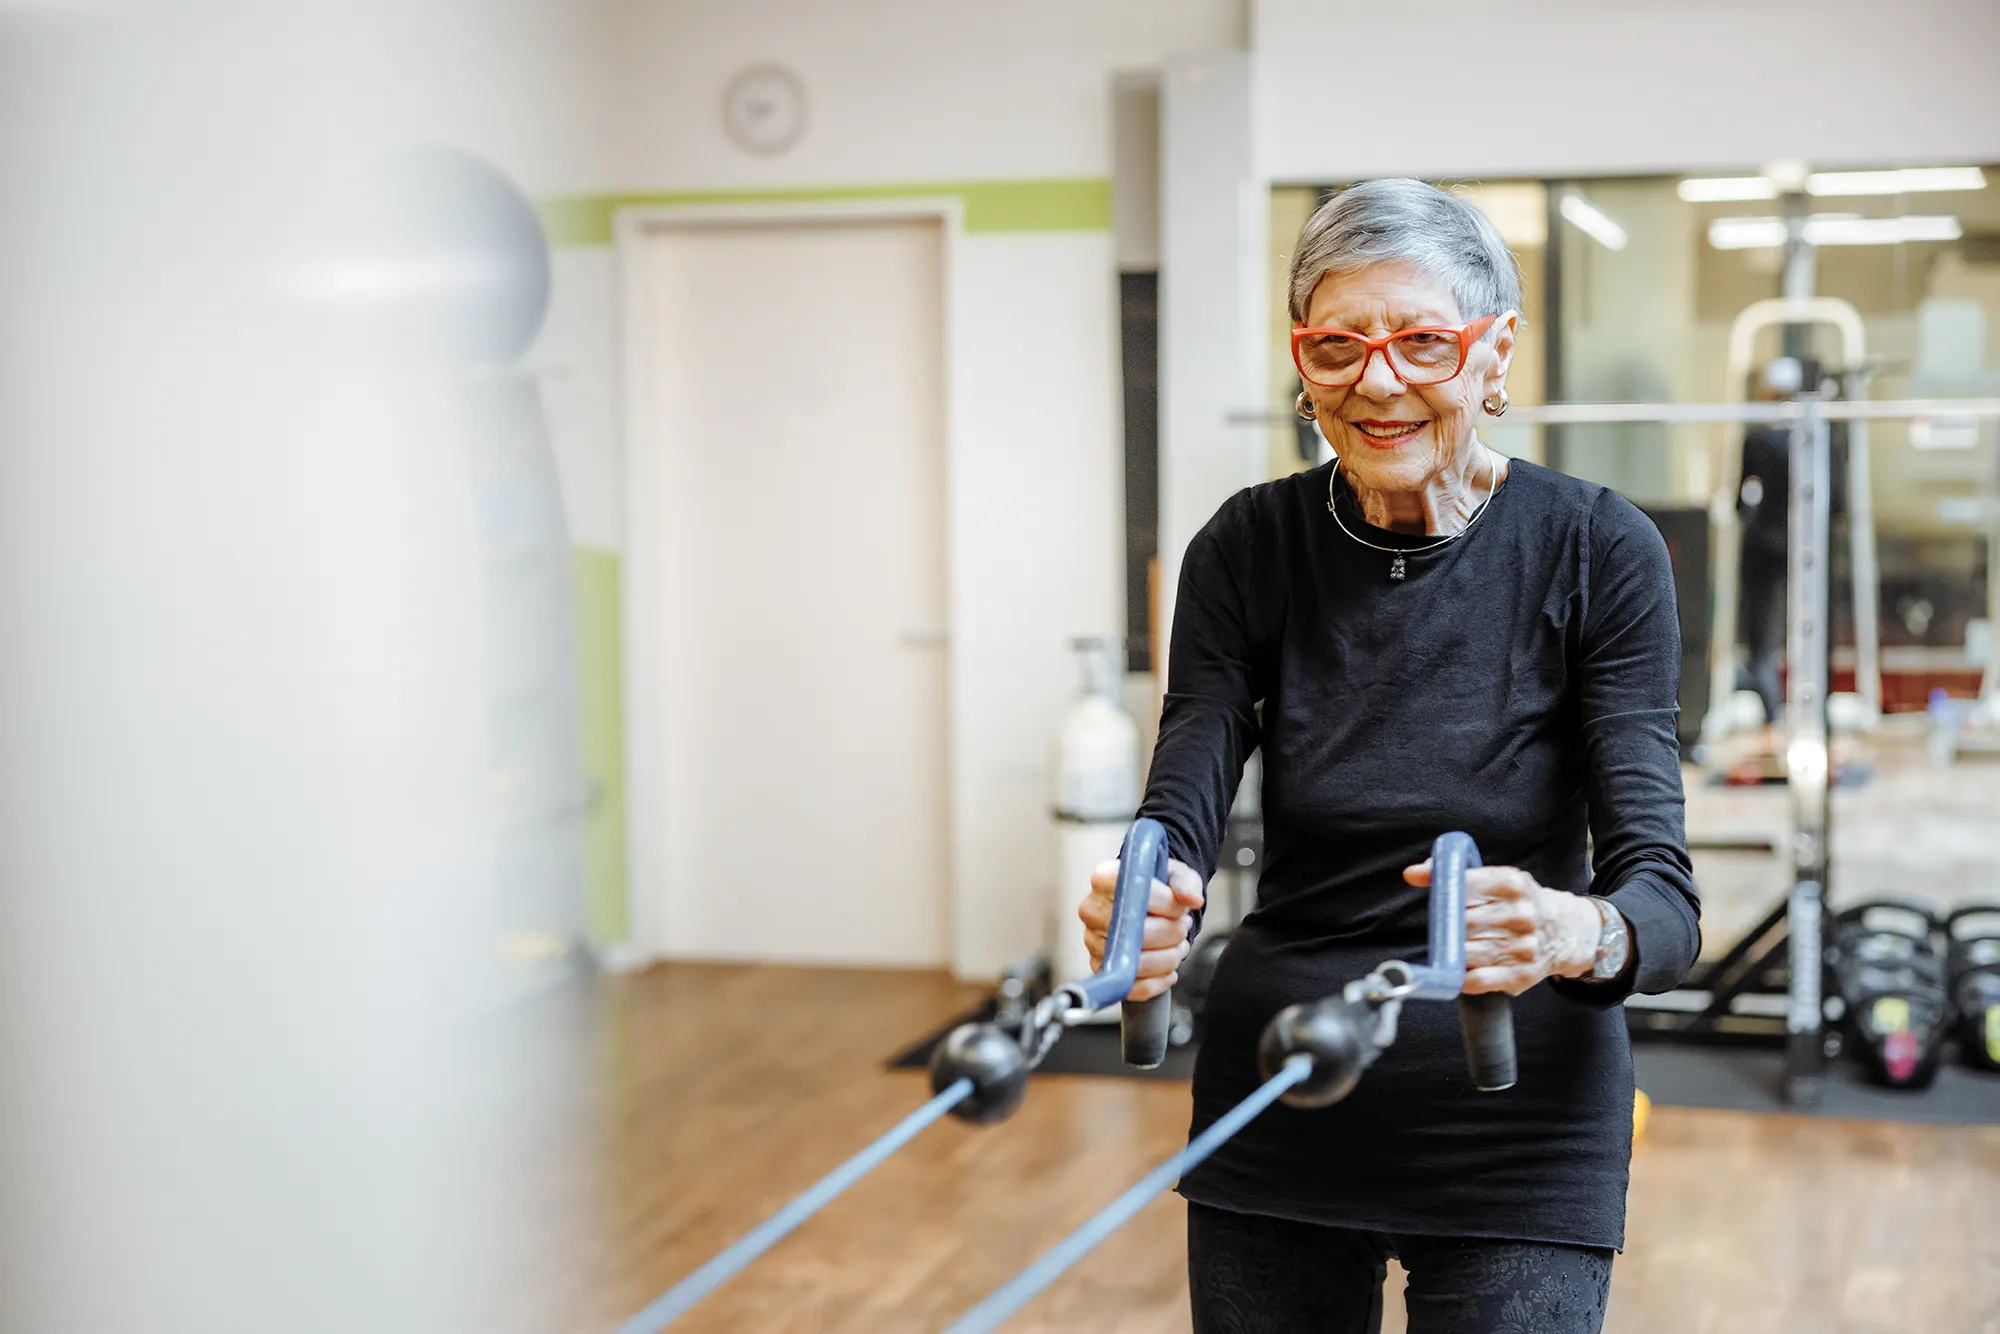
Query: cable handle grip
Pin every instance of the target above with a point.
(1144, 1024)
(1485, 1021)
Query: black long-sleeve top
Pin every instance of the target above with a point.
(1519, 684)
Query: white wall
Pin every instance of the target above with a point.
(525, 85)
(1559, 87)
(902, 92)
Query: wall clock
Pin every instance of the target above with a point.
(764, 109)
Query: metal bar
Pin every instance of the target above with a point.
(1583, 413)
(1989, 681)
(1797, 312)
(1555, 364)
(1867, 586)
(1743, 1031)
(1801, 273)
(1024, 1286)
(1725, 569)
(1760, 315)
(1725, 843)
(1958, 408)
(1545, 414)
(1722, 998)
(1693, 1001)
(1806, 744)
(676, 1301)
(1723, 975)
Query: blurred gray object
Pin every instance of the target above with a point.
(477, 268)
(454, 251)
(535, 794)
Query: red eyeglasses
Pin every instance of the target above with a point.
(1336, 358)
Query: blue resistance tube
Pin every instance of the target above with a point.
(1142, 860)
(678, 1300)
(1023, 1287)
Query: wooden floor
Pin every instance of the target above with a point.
(720, 1091)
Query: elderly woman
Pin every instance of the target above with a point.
(1440, 638)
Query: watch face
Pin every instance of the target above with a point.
(764, 109)
(1613, 945)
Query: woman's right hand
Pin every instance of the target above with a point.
(1168, 924)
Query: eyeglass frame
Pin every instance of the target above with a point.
(1467, 336)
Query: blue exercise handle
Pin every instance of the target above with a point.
(1329, 1032)
(1485, 1021)
(1315, 1049)
(1143, 1024)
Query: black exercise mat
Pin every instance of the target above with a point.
(1744, 1079)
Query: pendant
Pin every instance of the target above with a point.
(1396, 570)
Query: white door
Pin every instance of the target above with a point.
(794, 395)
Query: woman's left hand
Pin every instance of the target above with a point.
(1518, 931)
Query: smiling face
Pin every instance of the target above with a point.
(1391, 437)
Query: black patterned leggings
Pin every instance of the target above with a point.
(1255, 1275)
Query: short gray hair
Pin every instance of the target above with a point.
(1399, 218)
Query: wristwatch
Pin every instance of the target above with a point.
(1614, 944)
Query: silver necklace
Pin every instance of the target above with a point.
(1397, 569)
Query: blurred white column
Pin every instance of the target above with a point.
(1214, 225)
(247, 851)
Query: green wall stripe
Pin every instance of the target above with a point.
(1038, 206)
(601, 717)
(1080, 204)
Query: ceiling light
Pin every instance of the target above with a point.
(1746, 233)
(1593, 221)
(1716, 189)
(1902, 181)
(1881, 231)
(1832, 229)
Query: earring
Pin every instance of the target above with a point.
(1495, 404)
(1304, 407)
